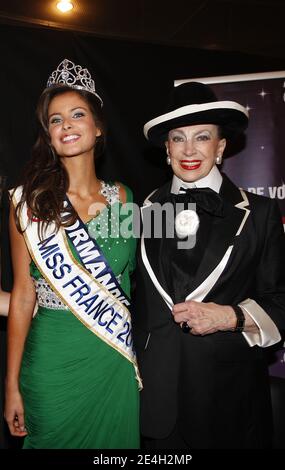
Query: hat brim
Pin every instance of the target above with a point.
(232, 116)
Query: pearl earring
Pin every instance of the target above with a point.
(168, 159)
(219, 159)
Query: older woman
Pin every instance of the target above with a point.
(212, 296)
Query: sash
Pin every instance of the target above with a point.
(93, 259)
(99, 305)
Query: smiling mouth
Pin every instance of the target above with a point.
(190, 165)
(70, 138)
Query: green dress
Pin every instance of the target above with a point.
(78, 392)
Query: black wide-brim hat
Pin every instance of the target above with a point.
(195, 103)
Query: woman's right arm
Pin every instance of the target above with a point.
(21, 308)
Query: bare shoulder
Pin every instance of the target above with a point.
(122, 192)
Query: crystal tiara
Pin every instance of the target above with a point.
(74, 76)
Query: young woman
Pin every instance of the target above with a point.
(72, 379)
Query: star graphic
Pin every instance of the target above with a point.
(263, 93)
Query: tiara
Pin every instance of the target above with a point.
(74, 76)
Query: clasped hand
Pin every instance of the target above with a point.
(204, 318)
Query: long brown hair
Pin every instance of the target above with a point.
(45, 181)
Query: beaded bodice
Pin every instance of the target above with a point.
(46, 297)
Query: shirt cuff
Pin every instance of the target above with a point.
(268, 333)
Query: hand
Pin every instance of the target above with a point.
(14, 413)
(204, 318)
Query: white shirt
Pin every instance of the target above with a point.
(213, 180)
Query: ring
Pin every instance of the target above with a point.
(185, 327)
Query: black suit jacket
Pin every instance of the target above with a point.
(215, 387)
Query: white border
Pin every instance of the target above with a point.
(192, 109)
(233, 78)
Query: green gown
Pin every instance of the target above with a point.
(78, 392)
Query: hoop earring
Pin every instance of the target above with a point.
(219, 159)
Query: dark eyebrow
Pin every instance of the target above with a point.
(79, 107)
(73, 109)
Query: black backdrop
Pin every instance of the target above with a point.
(132, 78)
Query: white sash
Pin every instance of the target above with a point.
(96, 307)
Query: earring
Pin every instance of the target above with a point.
(219, 159)
(168, 159)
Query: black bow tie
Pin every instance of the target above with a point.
(205, 198)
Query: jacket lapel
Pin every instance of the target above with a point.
(151, 246)
(217, 251)
(224, 232)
